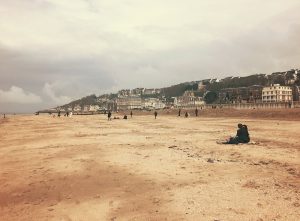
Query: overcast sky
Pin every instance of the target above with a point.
(53, 51)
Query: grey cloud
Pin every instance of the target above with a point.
(56, 80)
(33, 70)
(18, 95)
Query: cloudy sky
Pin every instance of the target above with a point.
(53, 51)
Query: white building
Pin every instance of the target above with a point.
(151, 91)
(137, 91)
(124, 92)
(94, 108)
(129, 102)
(77, 108)
(201, 87)
(277, 93)
(188, 100)
(86, 108)
(153, 103)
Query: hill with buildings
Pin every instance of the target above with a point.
(207, 90)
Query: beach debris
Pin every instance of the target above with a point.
(172, 146)
(209, 160)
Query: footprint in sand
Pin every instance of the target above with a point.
(111, 203)
(97, 196)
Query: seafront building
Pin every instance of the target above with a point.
(277, 93)
(188, 100)
(129, 102)
(153, 103)
(251, 94)
(77, 108)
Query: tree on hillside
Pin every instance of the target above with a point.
(297, 82)
(210, 97)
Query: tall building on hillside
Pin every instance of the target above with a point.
(189, 94)
(137, 91)
(201, 87)
(277, 93)
(151, 91)
(124, 92)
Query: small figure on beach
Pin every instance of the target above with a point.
(58, 114)
(179, 112)
(186, 114)
(131, 114)
(109, 115)
(196, 112)
(155, 114)
(242, 135)
(125, 117)
(3, 115)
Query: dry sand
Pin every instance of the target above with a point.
(86, 168)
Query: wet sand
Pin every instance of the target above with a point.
(86, 168)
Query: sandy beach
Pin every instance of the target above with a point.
(171, 168)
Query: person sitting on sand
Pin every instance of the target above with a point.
(242, 135)
(125, 117)
(186, 114)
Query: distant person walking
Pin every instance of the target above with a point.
(179, 112)
(196, 112)
(109, 115)
(186, 115)
(155, 114)
(58, 114)
(131, 114)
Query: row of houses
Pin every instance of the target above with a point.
(258, 94)
(138, 92)
(136, 102)
(132, 99)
